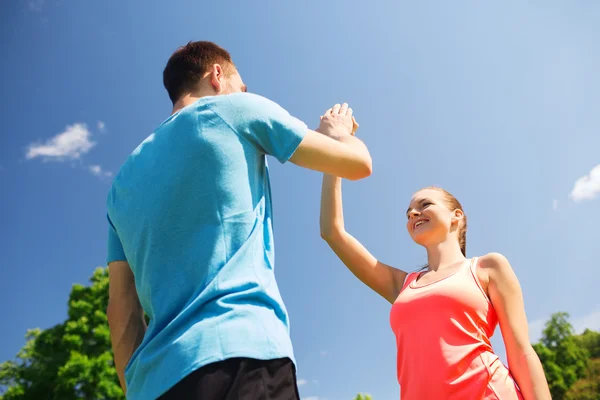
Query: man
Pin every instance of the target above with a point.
(190, 239)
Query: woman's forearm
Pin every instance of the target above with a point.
(332, 214)
(380, 277)
(527, 370)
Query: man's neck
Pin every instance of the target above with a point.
(184, 102)
(190, 98)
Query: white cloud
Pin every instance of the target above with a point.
(555, 204)
(588, 186)
(311, 398)
(302, 382)
(580, 323)
(101, 126)
(36, 5)
(98, 171)
(68, 145)
(590, 321)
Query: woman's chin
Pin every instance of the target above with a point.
(421, 240)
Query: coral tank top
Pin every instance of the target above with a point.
(443, 332)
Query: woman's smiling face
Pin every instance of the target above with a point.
(429, 218)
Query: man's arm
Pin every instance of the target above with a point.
(266, 125)
(125, 316)
(346, 156)
(334, 149)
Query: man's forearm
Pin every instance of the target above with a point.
(357, 144)
(127, 330)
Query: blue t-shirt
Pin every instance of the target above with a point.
(190, 210)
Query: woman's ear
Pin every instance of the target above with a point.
(458, 215)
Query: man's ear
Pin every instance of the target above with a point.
(216, 78)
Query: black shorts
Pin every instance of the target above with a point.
(239, 379)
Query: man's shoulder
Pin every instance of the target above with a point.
(244, 97)
(249, 103)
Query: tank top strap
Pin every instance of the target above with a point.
(473, 265)
(409, 279)
(473, 269)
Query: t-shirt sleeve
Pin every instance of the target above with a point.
(263, 123)
(115, 248)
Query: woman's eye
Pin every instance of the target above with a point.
(425, 205)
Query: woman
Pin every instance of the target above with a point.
(444, 315)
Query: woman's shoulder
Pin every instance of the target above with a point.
(495, 267)
(492, 261)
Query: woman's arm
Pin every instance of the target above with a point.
(507, 298)
(383, 279)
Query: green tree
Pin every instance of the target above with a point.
(591, 341)
(363, 396)
(587, 388)
(69, 361)
(564, 359)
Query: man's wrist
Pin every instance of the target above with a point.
(336, 135)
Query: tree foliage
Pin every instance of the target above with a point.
(587, 388)
(69, 361)
(590, 340)
(566, 358)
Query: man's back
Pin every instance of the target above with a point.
(190, 211)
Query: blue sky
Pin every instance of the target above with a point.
(496, 102)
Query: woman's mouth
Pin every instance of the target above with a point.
(420, 222)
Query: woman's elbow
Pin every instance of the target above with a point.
(520, 351)
(331, 234)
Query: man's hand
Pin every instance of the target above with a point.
(338, 122)
(333, 149)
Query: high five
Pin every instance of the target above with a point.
(444, 315)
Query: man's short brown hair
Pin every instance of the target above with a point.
(189, 63)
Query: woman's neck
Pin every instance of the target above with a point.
(443, 255)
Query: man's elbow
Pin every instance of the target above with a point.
(111, 312)
(363, 169)
(116, 311)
